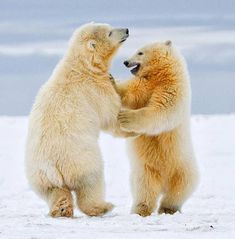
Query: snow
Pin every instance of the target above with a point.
(210, 212)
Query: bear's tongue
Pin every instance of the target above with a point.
(135, 69)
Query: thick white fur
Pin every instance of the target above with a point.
(157, 102)
(62, 152)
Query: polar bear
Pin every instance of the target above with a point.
(62, 152)
(157, 102)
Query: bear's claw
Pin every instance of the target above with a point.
(62, 208)
(99, 210)
(143, 210)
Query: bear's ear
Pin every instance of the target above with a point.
(91, 45)
(168, 43)
(168, 50)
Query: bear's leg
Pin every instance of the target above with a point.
(90, 197)
(60, 202)
(146, 189)
(178, 190)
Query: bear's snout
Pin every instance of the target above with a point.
(124, 30)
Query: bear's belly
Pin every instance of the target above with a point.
(156, 152)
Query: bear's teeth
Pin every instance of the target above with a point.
(135, 69)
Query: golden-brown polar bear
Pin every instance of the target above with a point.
(158, 107)
(62, 152)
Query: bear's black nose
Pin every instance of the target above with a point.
(127, 31)
(126, 63)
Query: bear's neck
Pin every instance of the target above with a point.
(164, 73)
(85, 66)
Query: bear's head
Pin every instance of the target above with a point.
(96, 44)
(151, 58)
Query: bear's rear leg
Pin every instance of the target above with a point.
(146, 189)
(90, 197)
(60, 202)
(178, 190)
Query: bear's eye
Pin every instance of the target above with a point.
(140, 53)
(110, 33)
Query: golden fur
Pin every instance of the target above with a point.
(157, 103)
(62, 151)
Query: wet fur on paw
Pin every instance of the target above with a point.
(62, 208)
(168, 210)
(143, 210)
(99, 210)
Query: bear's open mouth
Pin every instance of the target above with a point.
(135, 68)
(122, 40)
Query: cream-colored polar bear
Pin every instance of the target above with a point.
(62, 152)
(157, 102)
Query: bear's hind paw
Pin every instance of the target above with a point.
(99, 210)
(143, 210)
(63, 208)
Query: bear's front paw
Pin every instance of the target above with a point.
(128, 121)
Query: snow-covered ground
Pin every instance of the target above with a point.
(209, 213)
